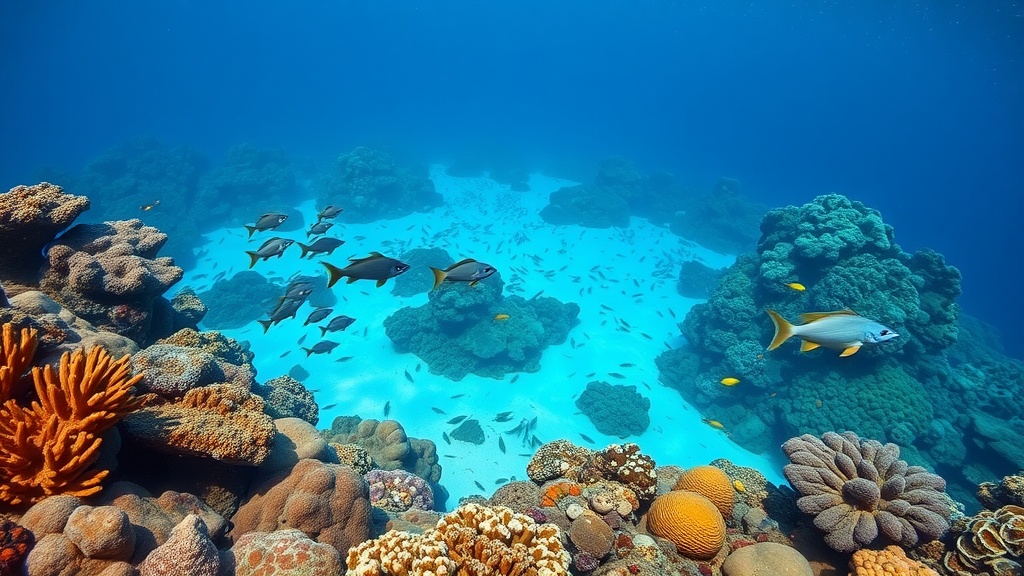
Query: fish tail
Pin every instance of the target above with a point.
(333, 274)
(783, 329)
(305, 249)
(266, 324)
(439, 276)
(251, 229)
(323, 331)
(254, 256)
(309, 352)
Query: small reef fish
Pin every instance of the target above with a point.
(408, 376)
(479, 485)
(321, 246)
(438, 410)
(319, 228)
(456, 396)
(329, 406)
(730, 381)
(586, 438)
(501, 317)
(713, 423)
(387, 408)
(503, 417)
(468, 270)
(268, 221)
(328, 212)
(843, 330)
(446, 438)
(457, 419)
(501, 444)
(148, 207)
(273, 247)
(616, 375)
(317, 315)
(739, 486)
(796, 286)
(344, 358)
(321, 347)
(337, 323)
(298, 290)
(376, 266)
(500, 481)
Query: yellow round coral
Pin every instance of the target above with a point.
(691, 521)
(712, 483)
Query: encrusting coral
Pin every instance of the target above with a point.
(474, 540)
(860, 493)
(50, 446)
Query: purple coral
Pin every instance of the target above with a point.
(860, 493)
(398, 490)
(537, 514)
(585, 562)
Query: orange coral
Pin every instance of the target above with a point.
(690, 521)
(15, 358)
(555, 492)
(891, 560)
(51, 446)
(710, 482)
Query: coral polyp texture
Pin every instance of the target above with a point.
(890, 560)
(473, 540)
(862, 495)
(51, 446)
(398, 490)
(690, 521)
(33, 215)
(712, 483)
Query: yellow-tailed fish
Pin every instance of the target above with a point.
(501, 316)
(843, 330)
(796, 286)
(730, 381)
(467, 270)
(714, 424)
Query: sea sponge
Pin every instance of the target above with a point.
(891, 560)
(710, 482)
(691, 521)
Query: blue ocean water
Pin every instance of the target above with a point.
(911, 107)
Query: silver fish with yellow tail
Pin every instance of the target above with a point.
(843, 330)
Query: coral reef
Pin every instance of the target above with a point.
(697, 280)
(15, 542)
(388, 445)
(557, 459)
(456, 334)
(286, 552)
(188, 548)
(992, 542)
(690, 521)
(722, 221)
(615, 410)
(1009, 490)
(861, 494)
(398, 491)
(712, 483)
(53, 445)
(249, 180)
(238, 300)
(766, 559)
(625, 464)
(890, 560)
(472, 540)
(285, 397)
(30, 218)
(370, 187)
(587, 205)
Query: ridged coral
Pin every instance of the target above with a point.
(710, 482)
(591, 534)
(691, 521)
(860, 493)
(990, 538)
(473, 540)
(891, 560)
(33, 215)
(51, 446)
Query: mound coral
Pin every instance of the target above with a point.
(861, 494)
(474, 540)
(51, 446)
(625, 464)
(398, 490)
(33, 215)
(557, 459)
(992, 541)
(891, 560)
(606, 406)
(690, 521)
(710, 482)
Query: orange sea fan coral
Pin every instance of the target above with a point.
(50, 447)
(15, 358)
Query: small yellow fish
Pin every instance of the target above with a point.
(739, 486)
(148, 207)
(730, 381)
(797, 286)
(714, 424)
(501, 316)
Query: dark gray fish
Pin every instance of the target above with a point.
(387, 408)
(329, 406)
(318, 315)
(321, 347)
(500, 481)
(501, 444)
(457, 396)
(535, 442)
(376, 266)
(329, 212)
(520, 428)
(446, 438)
(438, 410)
(586, 438)
(321, 246)
(514, 378)
(299, 290)
(285, 309)
(302, 339)
(268, 221)
(479, 485)
(273, 247)
(409, 378)
(337, 323)
(467, 270)
(627, 365)
(616, 375)
(344, 358)
(457, 419)
(532, 425)
(418, 366)
(319, 228)
(503, 417)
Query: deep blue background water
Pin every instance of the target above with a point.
(916, 109)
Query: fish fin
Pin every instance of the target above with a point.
(305, 249)
(850, 351)
(255, 258)
(439, 276)
(266, 324)
(309, 352)
(381, 282)
(808, 317)
(783, 329)
(459, 263)
(251, 229)
(807, 346)
(323, 331)
(474, 282)
(333, 274)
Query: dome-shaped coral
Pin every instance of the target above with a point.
(891, 560)
(690, 521)
(710, 482)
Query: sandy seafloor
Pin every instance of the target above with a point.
(478, 214)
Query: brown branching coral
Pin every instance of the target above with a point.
(50, 446)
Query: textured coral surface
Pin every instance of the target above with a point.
(690, 521)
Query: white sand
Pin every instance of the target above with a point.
(480, 213)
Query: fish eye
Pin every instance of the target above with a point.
(883, 333)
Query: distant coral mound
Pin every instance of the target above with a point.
(615, 410)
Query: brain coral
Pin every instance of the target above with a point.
(712, 483)
(860, 493)
(473, 540)
(690, 521)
